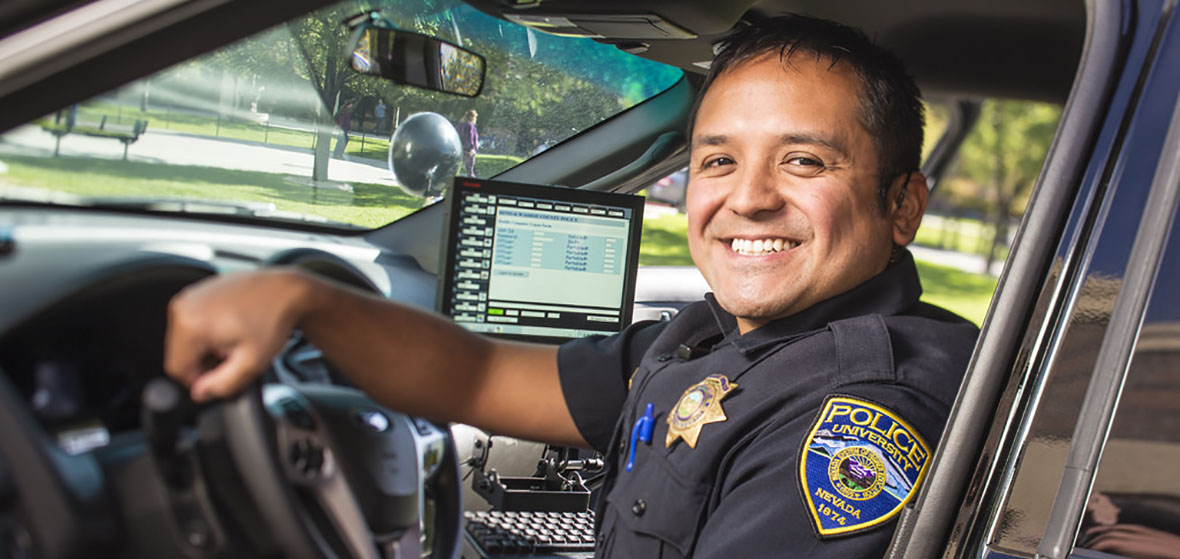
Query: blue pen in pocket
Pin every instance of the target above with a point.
(641, 432)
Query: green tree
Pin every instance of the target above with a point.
(321, 41)
(307, 51)
(1002, 157)
(311, 50)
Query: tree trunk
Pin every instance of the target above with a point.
(325, 126)
(323, 144)
(328, 89)
(1000, 211)
(999, 231)
(144, 100)
(321, 154)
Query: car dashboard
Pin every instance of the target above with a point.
(86, 295)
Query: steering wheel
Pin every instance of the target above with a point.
(334, 474)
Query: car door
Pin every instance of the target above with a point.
(1083, 316)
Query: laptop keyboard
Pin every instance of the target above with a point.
(530, 532)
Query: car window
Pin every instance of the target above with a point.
(277, 126)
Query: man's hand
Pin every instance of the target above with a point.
(223, 333)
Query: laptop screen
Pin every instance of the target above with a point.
(539, 263)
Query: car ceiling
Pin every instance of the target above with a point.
(982, 48)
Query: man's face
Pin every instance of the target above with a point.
(782, 205)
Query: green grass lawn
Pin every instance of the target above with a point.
(490, 165)
(664, 241)
(486, 164)
(368, 205)
(965, 293)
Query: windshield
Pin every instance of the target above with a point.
(278, 127)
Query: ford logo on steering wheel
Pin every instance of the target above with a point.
(371, 419)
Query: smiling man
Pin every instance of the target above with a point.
(793, 411)
(783, 197)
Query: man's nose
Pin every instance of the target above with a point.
(755, 191)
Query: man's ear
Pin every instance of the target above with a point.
(908, 197)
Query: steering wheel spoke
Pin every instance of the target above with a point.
(305, 452)
(336, 474)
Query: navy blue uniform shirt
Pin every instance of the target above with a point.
(740, 491)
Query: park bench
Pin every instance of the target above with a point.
(66, 123)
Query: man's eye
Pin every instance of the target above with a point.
(716, 162)
(804, 165)
(805, 161)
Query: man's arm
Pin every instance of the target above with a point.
(222, 334)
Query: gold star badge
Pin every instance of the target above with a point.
(700, 404)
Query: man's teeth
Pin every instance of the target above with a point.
(761, 246)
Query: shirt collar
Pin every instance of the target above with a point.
(891, 292)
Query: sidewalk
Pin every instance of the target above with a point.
(966, 262)
(177, 148)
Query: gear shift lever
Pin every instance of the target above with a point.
(165, 407)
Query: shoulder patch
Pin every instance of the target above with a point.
(859, 465)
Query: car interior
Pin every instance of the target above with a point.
(102, 456)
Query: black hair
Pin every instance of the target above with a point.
(891, 108)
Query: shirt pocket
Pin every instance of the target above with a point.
(653, 511)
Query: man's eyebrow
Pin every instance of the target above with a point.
(791, 138)
(714, 140)
(813, 139)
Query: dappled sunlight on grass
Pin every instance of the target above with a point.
(964, 293)
(664, 241)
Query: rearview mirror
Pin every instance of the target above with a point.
(414, 59)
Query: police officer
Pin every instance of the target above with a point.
(791, 413)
